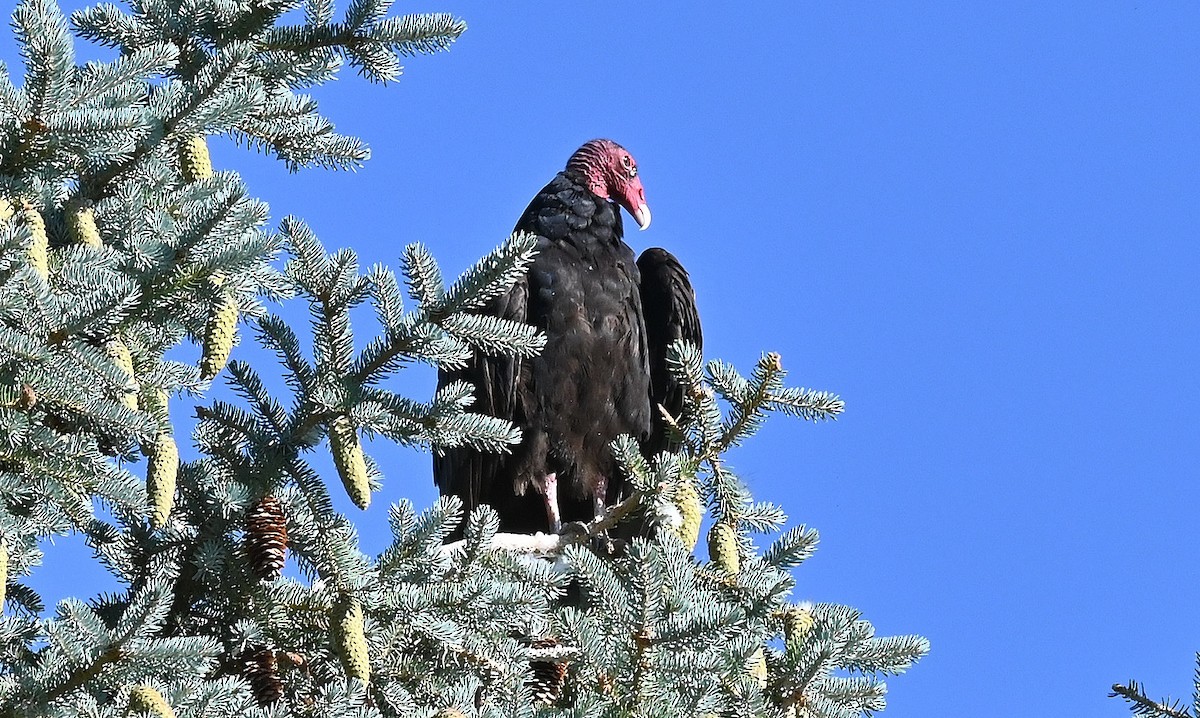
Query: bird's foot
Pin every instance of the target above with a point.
(575, 530)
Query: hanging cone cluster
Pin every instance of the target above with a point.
(266, 538)
(194, 161)
(219, 336)
(348, 458)
(121, 356)
(262, 673)
(39, 245)
(349, 641)
(548, 676)
(723, 547)
(687, 501)
(81, 222)
(160, 478)
(146, 699)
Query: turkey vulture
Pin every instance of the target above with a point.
(608, 321)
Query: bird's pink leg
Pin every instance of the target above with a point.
(550, 494)
(599, 499)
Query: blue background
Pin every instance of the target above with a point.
(976, 222)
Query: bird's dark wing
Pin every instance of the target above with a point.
(669, 308)
(463, 471)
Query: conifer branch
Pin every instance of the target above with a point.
(421, 33)
(82, 675)
(1141, 704)
(96, 187)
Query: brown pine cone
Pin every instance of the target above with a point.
(266, 538)
(548, 676)
(262, 671)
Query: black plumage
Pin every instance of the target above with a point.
(669, 310)
(607, 320)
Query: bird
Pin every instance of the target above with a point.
(608, 321)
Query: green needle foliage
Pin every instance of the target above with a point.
(119, 244)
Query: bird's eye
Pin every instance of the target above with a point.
(630, 167)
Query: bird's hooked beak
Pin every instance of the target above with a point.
(641, 215)
(635, 201)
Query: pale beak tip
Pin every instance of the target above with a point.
(642, 216)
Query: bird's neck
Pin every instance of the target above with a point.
(586, 167)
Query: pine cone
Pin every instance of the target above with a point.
(27, 399)
(219, 336)
(289, 660)
(145, 698)
(81, 221)
(119, 353)
(39, 246)
(3, 571)
(348, 458)
(154, 401)
(349, 642)
(723, 547)
(266, 538)
(756, 666)
(450, 713)
(6, 210)
(548, 676)
(160, 478)
(687, 501)
(797, 622)
(262, 672)
(194, 162)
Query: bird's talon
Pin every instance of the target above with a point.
(573, 529)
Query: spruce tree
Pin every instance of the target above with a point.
(119, 243)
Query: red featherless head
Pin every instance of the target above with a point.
(611, 172)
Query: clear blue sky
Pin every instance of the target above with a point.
(977, 222)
